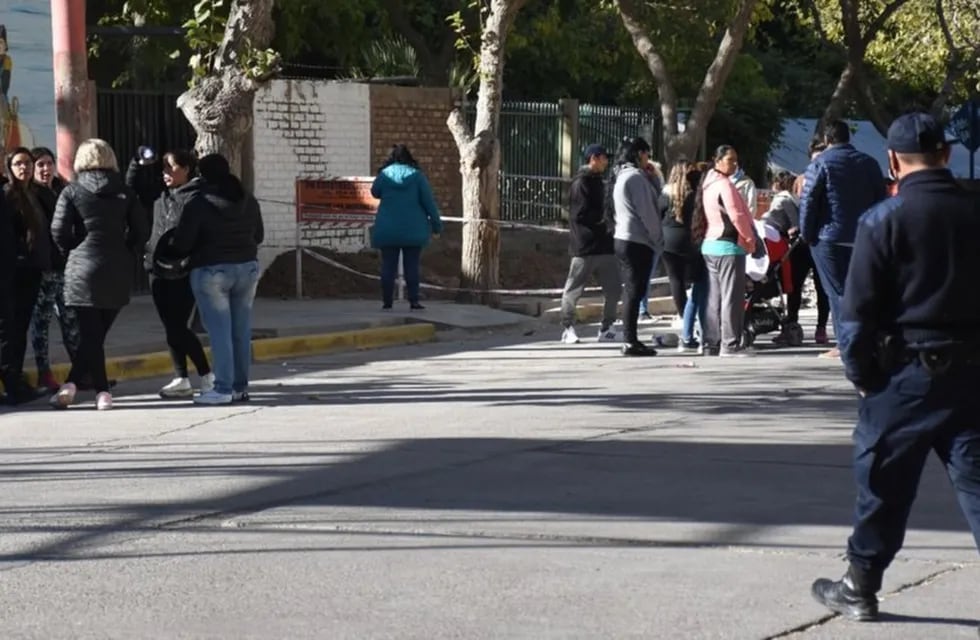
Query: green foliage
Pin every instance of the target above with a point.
(204, 32)
(388, 58)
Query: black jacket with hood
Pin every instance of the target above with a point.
(221, 224)
(589, 233)
(33, 246)
(100, 226)
(160, 259)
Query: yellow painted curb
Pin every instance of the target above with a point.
(152, 365)
(298, 346)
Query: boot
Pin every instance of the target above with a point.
(20, 392)
(853, 596)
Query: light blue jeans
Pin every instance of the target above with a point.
(224, 295)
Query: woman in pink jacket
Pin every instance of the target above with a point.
(725, 227)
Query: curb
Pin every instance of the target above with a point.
(157, 363)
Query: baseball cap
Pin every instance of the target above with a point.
(595, 150)
(916, 133)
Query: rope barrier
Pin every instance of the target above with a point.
(434, 287)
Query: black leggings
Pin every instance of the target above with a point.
(678, 268)
(635, 263)
(15, 320)
(801, 263)
(93, 326)
(174, 302)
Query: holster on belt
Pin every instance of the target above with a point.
(893, 353)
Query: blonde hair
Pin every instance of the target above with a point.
(678, 187)
(95, 153)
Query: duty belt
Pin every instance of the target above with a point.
(938, 361)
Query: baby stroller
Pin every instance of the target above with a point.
(768, 281)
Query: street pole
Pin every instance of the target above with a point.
(70, 79)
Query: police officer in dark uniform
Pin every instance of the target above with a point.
(912, 316)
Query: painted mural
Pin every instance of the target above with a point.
(27, 109)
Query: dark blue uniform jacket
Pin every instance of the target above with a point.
(915, 272)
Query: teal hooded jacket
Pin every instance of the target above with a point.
(407, 215)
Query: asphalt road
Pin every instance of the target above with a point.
(490, 486)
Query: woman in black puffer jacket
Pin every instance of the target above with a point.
(170, 276)
(101, 227)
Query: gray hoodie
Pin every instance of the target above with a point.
(635, 201)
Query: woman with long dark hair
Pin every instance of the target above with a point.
(638, 235)
(682, 259)
(724, 228)
(51, 296)
(32, 257)
(170, 282)
(407, 217)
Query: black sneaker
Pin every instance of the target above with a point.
(840, 596)
(240, 396)
(638, 349)
(415, 306)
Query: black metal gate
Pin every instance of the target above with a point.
(128, 119)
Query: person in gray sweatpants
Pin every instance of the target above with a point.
(591, 247)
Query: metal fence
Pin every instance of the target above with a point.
(129, 119)
(542, 145)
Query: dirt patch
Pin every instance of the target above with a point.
(529, 259)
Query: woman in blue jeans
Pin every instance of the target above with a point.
(407, 217)
(221, 229)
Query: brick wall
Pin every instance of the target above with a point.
(307, 129)
(417, 117)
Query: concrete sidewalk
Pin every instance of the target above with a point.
(136, 346)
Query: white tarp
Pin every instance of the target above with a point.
(790, 152)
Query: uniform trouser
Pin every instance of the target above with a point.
(832, 261)
(51, 301)
(581, 268)
(635, 262)
(725, 316)
(897, 428)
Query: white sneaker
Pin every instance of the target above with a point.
(568, 336)
(213, 397)
(103, 401)
(610, 335)
(65, 396)
(177, 388)
(207, 382)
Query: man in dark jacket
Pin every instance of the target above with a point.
(840, 184)
(591, 247)
(911, 347)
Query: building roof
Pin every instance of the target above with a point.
(790, 152)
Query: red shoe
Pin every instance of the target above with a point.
(820, 336)
(47, 381)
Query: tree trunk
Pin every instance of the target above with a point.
(679, 145)
(219, 106)
(480, 161)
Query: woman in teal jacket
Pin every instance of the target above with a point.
(407, 217)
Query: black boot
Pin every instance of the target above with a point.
(853, 596)
(638, 349)
(18, 391)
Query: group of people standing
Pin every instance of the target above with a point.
(70, 249)
(700, 222)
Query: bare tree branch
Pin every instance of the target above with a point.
(630, 15)
(879, 21)
(460, 129)
(721, 67)
(954, 67)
